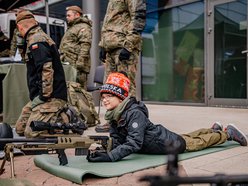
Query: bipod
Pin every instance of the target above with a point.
(9, 156)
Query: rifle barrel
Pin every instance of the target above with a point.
(15, 140)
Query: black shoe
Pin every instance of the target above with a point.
(236, 135)
(217, 126)
(102, 128)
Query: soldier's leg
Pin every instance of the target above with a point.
(130, 67)
(23, 119)
(204, 138)
(110, 65)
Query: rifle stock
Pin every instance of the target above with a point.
(52, 145)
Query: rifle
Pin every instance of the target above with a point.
(172, 178)
(51, 145)
(215, 180)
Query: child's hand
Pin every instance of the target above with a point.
(95, 147)
(98, 157)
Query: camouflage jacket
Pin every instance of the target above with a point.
(123, 23)
(76, 43)
(45, 73)
(4, 45)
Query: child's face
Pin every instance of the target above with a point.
(110, 101)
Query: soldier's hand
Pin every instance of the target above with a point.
(124, 54)
(102, 55)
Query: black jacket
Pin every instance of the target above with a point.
(45, 73)
(135, 133)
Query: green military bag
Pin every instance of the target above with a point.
(82, 102)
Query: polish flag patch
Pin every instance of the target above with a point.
(35, 46)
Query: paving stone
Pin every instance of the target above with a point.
(100, 181)
(180, 119)
(56, 181)
(38, 177)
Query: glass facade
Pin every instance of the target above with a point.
(230, 67)
(173, 53)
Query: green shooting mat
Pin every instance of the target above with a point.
(78, 166)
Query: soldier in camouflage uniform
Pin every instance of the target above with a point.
(4, 45)
(13, 45)
(121, 37)
(76, 43)
(121, 41)
(45, 77)
(17, 41)
(16, 44)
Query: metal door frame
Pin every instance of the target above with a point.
(209, 58)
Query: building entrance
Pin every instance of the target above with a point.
(226, 53)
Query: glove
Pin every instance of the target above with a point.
(124, 54)
(98, 157)
(36, 101)
(102, 55)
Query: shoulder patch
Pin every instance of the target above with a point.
(35, 46)
(82, 30)
(134, 125)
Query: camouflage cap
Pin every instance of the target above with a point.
(23, 15)
(17, 11)
(75, 8)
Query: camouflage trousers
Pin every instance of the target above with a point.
(51, 111)
(113, 64)
(203, 138)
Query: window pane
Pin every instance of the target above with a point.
(230, 40)
(173, 55)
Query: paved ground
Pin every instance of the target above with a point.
(181, 119)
